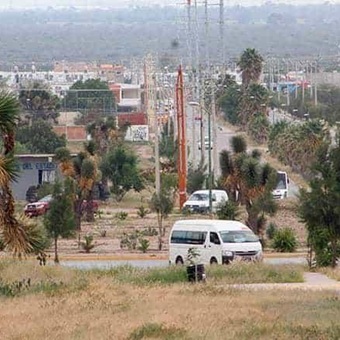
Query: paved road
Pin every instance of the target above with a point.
(106, 264)
(222, 142)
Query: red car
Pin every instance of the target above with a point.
(41, 207)
(38, 208)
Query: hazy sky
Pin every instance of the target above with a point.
(123, 3)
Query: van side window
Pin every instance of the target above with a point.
(188, 237)
(214, 238)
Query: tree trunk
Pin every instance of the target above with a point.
(89, 208)
(160, 232)
(334, 246)
(78, 213)
(56, 257)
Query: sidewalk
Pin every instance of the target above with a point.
(313, 282)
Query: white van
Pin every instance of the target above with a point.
(198, 202)
(282, 185)
(216, 241)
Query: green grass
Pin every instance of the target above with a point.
(244, 273)
(236, 273)
(156, 331)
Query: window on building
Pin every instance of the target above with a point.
(46, 176)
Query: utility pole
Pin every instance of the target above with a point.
(214, 132)
(150, 86)
(315, 85)
(209, 163)
(222, 32)
(182, 161)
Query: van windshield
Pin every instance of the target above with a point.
(198, 197)
(281, 181)
(238, 236)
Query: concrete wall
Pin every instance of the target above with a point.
(72, 133)
(29, 168)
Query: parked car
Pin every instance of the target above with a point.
(38, 208)
(206, 143)
(198, 202)
(41, 207)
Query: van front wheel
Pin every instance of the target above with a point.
(179, 261)
(213, 261)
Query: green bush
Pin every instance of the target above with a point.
(122, 215)
(142, 211)
(285, 241)
(156, 331)
(88, 244)
(228, 211)
(271, 230)
(143, 245)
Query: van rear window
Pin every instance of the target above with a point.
(188, 237)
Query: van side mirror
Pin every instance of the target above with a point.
(217, 241)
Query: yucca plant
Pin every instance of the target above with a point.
(88, 245)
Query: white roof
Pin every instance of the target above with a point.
(206, 191)
(218, 225)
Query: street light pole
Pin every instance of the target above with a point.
(209, 163)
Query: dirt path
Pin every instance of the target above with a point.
(313, 282)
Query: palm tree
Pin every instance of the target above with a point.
(249, 182)
(250, 64)
(83, 170)
(18, 234)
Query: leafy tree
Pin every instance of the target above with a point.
(91, 95)
(250, 64)
(258, 128)
(40, 137)
(319, 206)
(297, 145)
(228, 211)
(60, 221)
(162, 204)
(196, 178)
(229, 102)
(120, 166)
(167, 145)
(104, 133)
(38, 102)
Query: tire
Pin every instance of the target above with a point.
(213, 261)
(179, 261)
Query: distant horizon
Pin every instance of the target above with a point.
(32, 4)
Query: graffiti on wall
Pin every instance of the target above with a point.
(137, 133)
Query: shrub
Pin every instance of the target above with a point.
(142, 211)
(99, 213)
(88, 245)
(156, 331)
(271, 230)
(2, 245)
(143, 245)
(150, 232)
(228, 211)
(122, 215)
(129, 241)
(285, 240)
(102, 233)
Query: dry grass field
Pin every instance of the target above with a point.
(66, 304)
